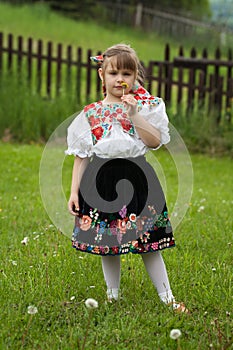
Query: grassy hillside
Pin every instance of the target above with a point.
(39, 22)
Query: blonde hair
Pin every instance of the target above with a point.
(126, 58)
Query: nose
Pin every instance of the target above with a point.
(120, 78)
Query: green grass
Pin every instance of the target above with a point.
(38, 22)
(31, 118)
(48, 272)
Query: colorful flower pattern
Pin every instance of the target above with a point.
(118, 227)
(100, 116)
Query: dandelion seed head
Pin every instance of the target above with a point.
(201, 208)
(72, 298)
(91, 303)
(32, 310)
(175, 334)
(25, 241)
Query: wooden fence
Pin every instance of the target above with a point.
(184, 82)
(156, 19)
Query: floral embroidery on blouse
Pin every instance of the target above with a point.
(101, 116)
(143, 97)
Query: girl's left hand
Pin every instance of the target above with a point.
(130, 103)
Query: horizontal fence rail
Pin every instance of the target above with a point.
(184, 82)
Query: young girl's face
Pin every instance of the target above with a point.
(112, 78)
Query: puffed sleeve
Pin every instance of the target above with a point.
(79, 138)
(156, 115)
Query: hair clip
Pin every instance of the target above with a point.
(97, 59)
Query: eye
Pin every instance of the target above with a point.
(112, 72)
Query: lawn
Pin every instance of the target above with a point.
(47, 273)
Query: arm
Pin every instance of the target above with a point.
(147, 132)
(79, 167)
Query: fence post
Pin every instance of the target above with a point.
(217, 80)
(19, 53)
(69, 63)
(29, 61)
(167, 92)
(49, 64)
(10, 48)
(149, 73)
(191, 84)
(88, 86)
(219, 98)
(180, 79)
(39, 65)
(138, 16)
(211, 92)
(58, 74)
(202, 81)
(98, 83)
(78, 74)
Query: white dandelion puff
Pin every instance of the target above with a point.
(25, 241)
(72, 298)
(32, 310)
(175, 334)
(201, 208)
(91, 303)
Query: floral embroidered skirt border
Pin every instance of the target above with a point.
(122, 209)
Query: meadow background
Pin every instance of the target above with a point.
(48, 274)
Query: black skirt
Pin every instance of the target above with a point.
(122, 209)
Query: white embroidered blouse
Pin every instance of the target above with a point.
(106, 131)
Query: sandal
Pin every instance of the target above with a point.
(179, 308)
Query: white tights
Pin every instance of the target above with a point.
(155, 267)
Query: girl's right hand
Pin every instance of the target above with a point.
(73, 204)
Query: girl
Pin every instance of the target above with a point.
(116, 197)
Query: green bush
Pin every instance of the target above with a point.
(202, 132)
(25, 116)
